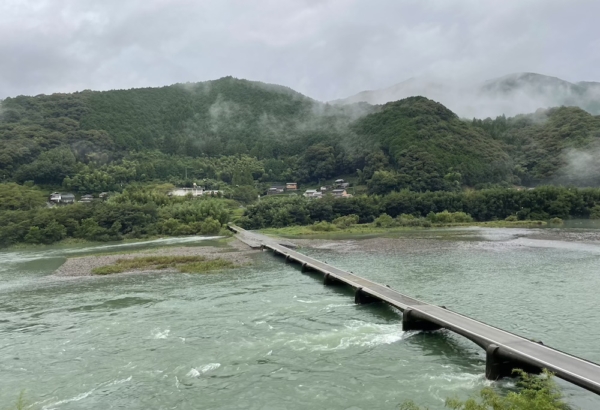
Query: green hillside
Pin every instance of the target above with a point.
(222, 117)
(427, 141)
(556, 145)
(238, 132)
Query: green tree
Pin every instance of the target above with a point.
(19, 197)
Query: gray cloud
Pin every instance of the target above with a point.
(326, 49)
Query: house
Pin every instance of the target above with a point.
(103, 195)
(67, 198)
(341, 184)
(276, 189)
(324, 189)
(86, 198)
(195, 191)
(291, 186)
(59, 198)
(340, 193)
(313, 193)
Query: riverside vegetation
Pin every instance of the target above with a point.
(147, 211)
(408, 208)
(135, 213)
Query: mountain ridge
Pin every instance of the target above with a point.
(510, 95)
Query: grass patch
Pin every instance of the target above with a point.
(187, 264)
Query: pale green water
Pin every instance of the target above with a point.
(270, 337)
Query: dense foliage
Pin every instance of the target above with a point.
(211, 132)
(485, 205)
(48, 138)
(558, 145)
(430, 147)
(132, 214)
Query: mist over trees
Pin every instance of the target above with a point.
(242, 134)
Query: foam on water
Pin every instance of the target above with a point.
(197, 372)
(158, 334)
(53, 406)
(354, 333)
(553, 244)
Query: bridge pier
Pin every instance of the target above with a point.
(411, 321)
(361, 297)
(498, 365)
(330, 280)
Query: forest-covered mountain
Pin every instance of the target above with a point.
(558, 145)
(238, 132)
(509, 95)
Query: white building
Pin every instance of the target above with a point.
(313, 193)
(196, 191)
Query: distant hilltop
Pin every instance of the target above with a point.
(509, 95)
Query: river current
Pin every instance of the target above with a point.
(267, 336)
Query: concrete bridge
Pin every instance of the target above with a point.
(505, 351)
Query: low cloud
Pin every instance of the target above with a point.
(582, 167)
(326, 49)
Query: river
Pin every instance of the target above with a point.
(267, 336)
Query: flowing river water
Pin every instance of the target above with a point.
(267, 336)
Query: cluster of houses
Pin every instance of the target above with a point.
(280, 189)
(338, 190)
(59, 198)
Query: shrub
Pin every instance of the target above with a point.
(556, 221)
(511, 218)
(346, 221)
(323, 226)
(411, 220)
(446, 217)
(461, 217)
(384, 221)
(535, 393)
(595, 212)
(210, 226)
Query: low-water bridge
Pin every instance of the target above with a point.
(505, 351)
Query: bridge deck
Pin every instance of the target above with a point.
(510, 346)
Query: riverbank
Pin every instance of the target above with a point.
(305, 230)
(235, 252)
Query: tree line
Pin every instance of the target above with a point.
(484, 205)
(135, 213)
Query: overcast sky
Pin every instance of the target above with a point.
(323, 48)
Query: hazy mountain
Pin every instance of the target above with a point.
(509, 95)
